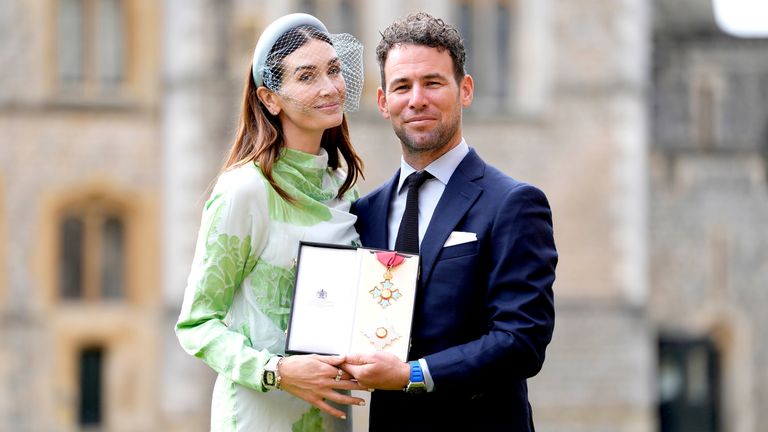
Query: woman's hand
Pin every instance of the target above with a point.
(315, 379)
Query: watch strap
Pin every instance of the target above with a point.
(416, 383)
(416, 374)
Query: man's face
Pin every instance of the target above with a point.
(423, 100)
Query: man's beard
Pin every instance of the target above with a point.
(433, 140)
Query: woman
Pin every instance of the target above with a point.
(282, 183)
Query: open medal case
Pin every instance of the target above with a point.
(352, 300)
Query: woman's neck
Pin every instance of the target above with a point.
(307, 141)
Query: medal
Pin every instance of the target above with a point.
(382, 334)
(384, 294)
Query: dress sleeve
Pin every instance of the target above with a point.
(232, 236)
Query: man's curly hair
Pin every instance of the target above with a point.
(421, 28)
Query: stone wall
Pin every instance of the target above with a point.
(709, 214)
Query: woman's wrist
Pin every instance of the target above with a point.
(279, 377)
(271, 378)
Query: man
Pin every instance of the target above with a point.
(484, 309)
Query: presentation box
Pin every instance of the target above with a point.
(352, 300)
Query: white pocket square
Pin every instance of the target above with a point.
(459, 237)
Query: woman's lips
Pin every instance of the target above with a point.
(329, 107)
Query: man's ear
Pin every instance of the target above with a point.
(467, 87)
(381, 99)
(269, 99)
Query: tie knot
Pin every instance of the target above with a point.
(417, 178)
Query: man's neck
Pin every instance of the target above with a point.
(421, 159)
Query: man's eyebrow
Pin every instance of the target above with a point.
(396, 81)
(428, 76)
(434, 75)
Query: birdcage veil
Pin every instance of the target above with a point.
(297, 58)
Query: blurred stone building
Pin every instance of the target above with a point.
(708, 219)
(645, 125)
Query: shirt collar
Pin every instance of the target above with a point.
(441, 168)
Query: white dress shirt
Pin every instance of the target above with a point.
(441, 169)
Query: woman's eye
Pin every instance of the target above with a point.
(307, 76)
(334, 70)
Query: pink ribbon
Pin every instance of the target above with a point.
(390, 259)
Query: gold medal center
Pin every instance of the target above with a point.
(386, 294)
(381, 332)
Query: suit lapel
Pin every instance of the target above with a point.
(459, 195)
(379, 212)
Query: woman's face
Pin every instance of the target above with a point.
(312, 93)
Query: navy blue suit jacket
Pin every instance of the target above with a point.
(484, 310)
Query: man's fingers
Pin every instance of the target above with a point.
(360, 373)
(356, 359)
(331, 360)
(351, 369)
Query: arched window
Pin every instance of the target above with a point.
(92, 252)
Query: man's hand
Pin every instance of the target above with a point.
(315, 379)
(379, 370)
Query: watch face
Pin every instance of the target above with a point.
(269, 378)
(416, 387)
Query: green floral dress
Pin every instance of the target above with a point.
(239, 292)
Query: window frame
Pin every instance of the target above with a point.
(494, 87)
(138, 211)
(137, 69)
(90, 49)
(682, 350)
(93, 211)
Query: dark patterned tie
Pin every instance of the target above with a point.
(408, 233)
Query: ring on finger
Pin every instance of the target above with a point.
(339, 373)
